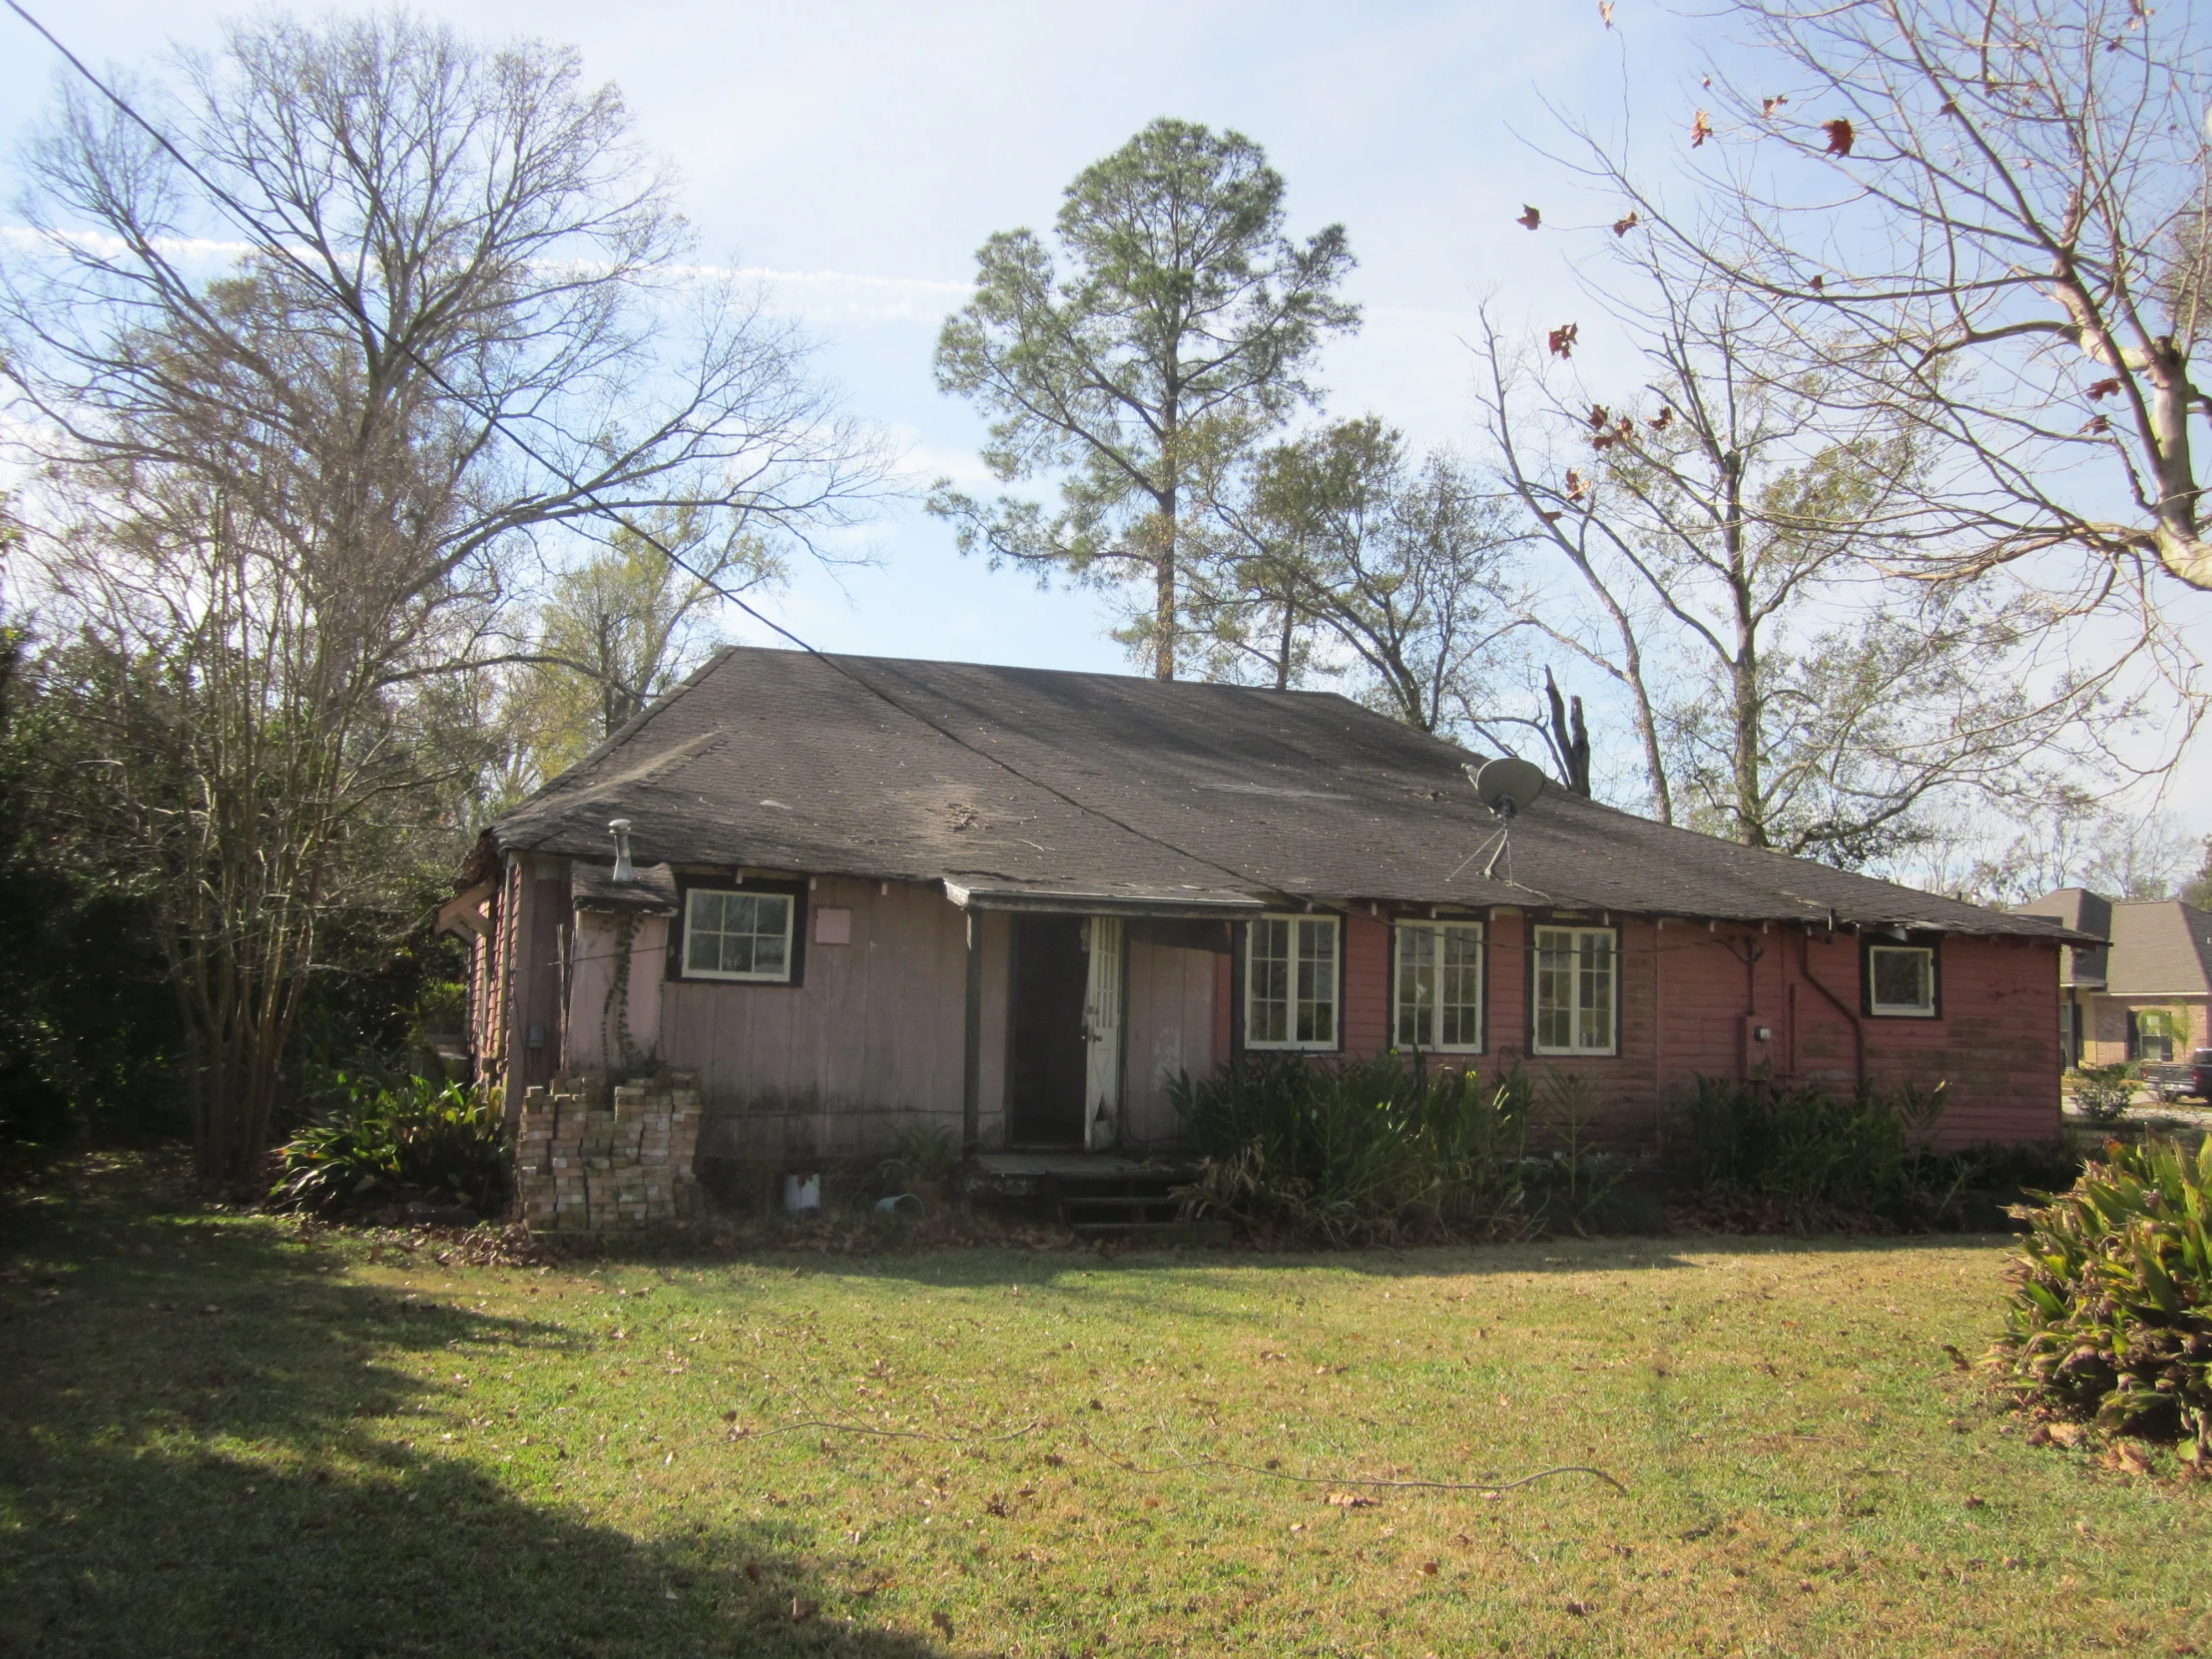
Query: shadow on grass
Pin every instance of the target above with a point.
(181, 1477)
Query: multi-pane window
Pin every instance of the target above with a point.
(737, 936)
(1436, 986)
(2154, 1033)
(1575, 979)
(1291, 982)
(1901, 979)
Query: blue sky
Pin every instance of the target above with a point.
(861, 153)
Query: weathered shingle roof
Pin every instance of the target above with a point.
(1018, 786)
(2086, 913)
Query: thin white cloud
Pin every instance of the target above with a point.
(843, 295)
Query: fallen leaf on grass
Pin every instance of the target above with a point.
(2127, 1458)
(943, 1622)
(1429, 1569)
(1978, 1504)
(1352, 1500)
(1581, 1609)
(753, 1571)
(803, 1610)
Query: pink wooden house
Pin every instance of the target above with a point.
(855, 894)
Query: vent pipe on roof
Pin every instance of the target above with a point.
(619, 828)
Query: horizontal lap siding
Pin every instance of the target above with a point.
(1367, 986)
(1690, 996)
(1996, 1044)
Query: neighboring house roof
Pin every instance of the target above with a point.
(2160, 948)
(2085, 913)
(1027, 787)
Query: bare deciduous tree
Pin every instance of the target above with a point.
(313, 341)
(1733, 531)
(1993, 219)
(617, 630)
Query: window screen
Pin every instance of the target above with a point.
(1901, 979)
(1574, 990)
(1291, 982)
(1437, 986)
(737, 936)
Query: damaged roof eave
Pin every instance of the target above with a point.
(1076, 901)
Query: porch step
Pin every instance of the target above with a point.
(1096, 1196)
(1158, 1231)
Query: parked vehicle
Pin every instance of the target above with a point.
(2182, 1081)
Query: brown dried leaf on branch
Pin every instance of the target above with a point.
(1561, 340)
(1621, 227)
(2104, 389)
(1767, 106)
(1531, 217)
(1701, 129)
(1840, 137)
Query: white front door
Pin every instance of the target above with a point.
(1102, 1036)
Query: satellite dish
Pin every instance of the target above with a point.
(1508, 786)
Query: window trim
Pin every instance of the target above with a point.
(1929, 942)
(795, 960)
(1439, 925)
(1536, 1046)
(1244, 1037)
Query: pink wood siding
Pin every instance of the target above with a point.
(872, 1038)
(1692, 998)
(593, 1008)
(1366, 985)
(1169, 1030)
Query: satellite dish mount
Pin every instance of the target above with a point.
(1508, 785)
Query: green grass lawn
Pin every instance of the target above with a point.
(217, 1437)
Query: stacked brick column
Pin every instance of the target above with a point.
(591, 1159)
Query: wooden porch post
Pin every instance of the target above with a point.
(971, 1073)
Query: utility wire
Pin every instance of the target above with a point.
(276, 246)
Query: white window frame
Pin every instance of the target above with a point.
(1437, 932)
(1581, 1001)
(1300, 928)
(780, 976)
(1902, 1010)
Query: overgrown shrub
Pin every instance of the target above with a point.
(1359, 1152)
(1865, 1153)
(2109, 1314)
(417, 1139)
(2104, 1093)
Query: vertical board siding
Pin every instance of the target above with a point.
(869, 1041)
(1169, 1032)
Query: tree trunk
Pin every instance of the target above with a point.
(1749, 722)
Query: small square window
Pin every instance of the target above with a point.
(738, 936)
(1900, 980)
